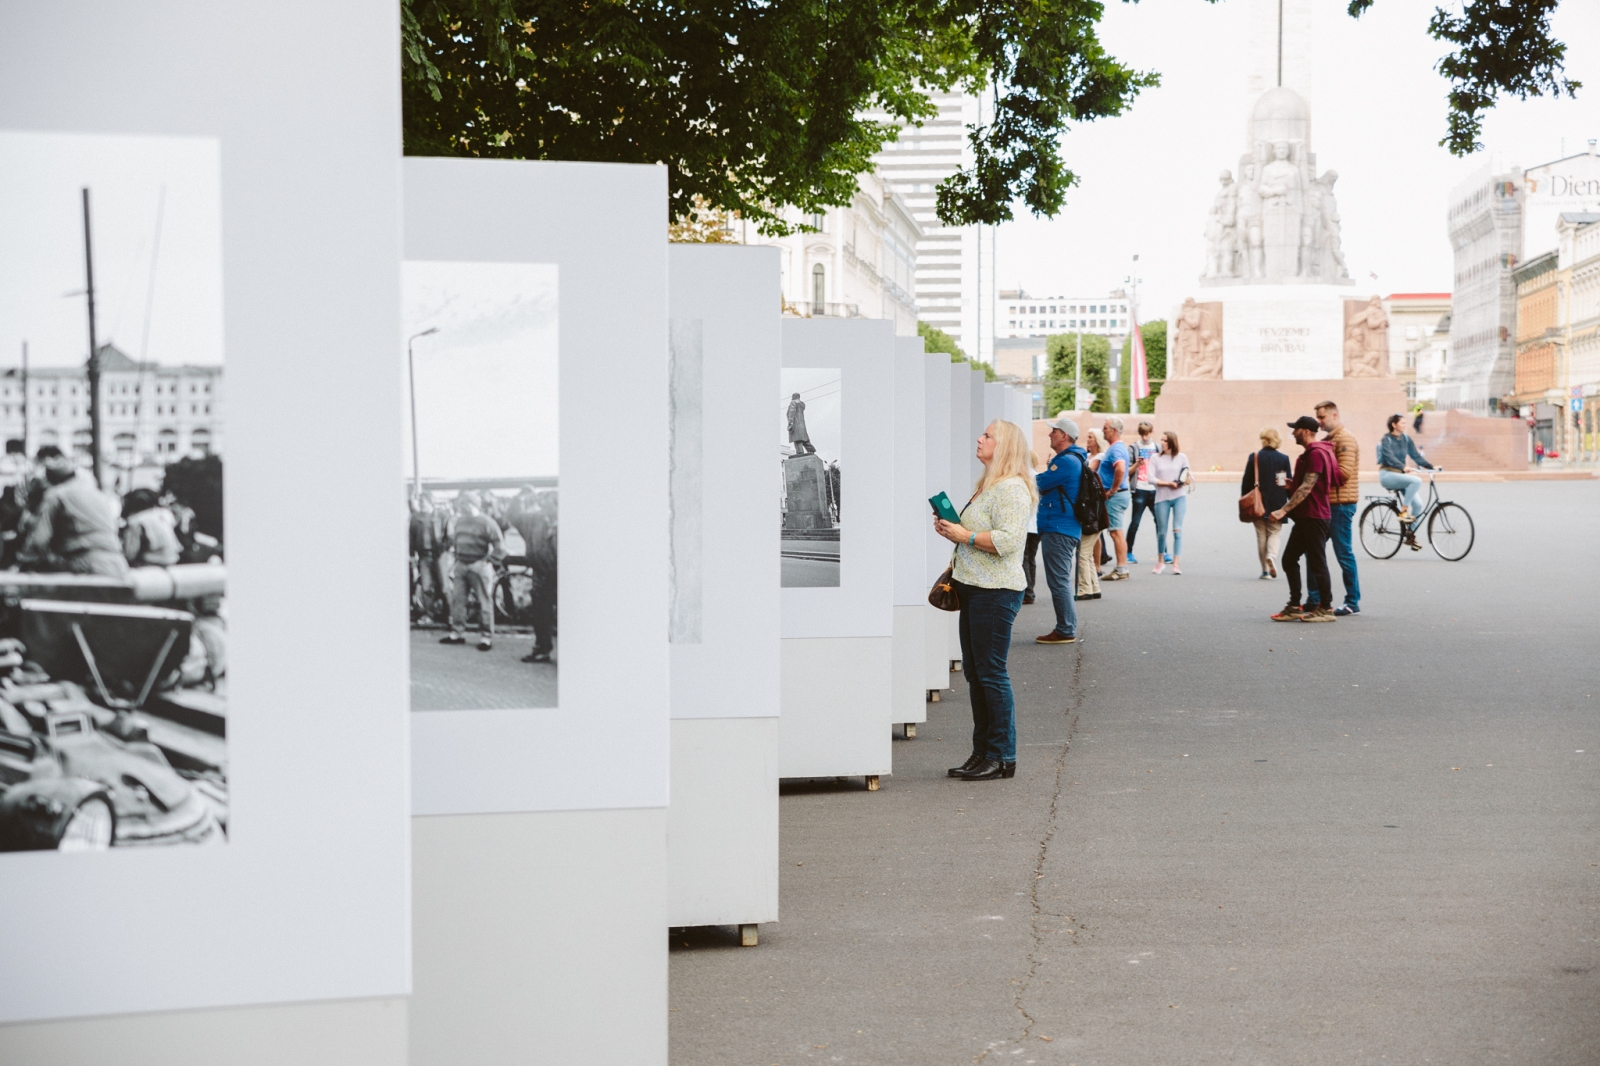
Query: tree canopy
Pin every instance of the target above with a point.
(1502, 48)
(1061, 355)
(757, 107)
(935, 339)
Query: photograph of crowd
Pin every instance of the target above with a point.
(809, 412)
(113, 631)
(483, 403)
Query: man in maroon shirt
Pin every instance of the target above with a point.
(1316, 474)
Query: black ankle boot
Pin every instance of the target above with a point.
(972, 760)
(1008, 769)
(987, 770)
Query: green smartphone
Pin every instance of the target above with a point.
(944, 508)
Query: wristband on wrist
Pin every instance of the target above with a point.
(972, 539)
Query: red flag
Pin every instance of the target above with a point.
(1141, 372)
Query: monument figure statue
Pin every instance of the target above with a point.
(1221, 230)
(1248, 225)
(798, 436)
(1366, 342)
(1281, 201)
(1285, 223)
(1199, 347)
(1331, 238)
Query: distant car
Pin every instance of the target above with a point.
(68, 785)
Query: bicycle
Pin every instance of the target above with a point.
(1449, 526)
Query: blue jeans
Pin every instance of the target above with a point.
(1341, 527)
(1061, 574)
(986, 617)
(1143, 500)
(1410, 484)
(1169, 514)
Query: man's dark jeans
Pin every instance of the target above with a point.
(986, 617)
(1341, 530)
(1308, 538)
(1143, 500)
(1061, 574)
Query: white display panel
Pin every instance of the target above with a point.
(937, 550)
(912, 518)
(724, 318)
(308, 898)
(979, 398)
(963, 446)
(607, 249)
(859, 355)
(996, 397)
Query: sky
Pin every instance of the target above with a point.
(1377, 114)
(821, 390)
(488, 386)
(41, 247)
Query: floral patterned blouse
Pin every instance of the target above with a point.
(1002, 510)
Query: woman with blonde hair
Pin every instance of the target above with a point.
(988, 578)
(1267, 469)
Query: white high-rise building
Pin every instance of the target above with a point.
(1486, 232)
(948, 257)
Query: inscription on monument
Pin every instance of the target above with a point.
(1287, 338)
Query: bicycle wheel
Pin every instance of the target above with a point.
(1450, 531)
(513, 598)
(1380, 529)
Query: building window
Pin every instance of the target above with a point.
(200, 443)
(124, 444)
(819, 289)
(167, 442)
(82, 442)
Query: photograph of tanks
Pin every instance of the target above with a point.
(113, 632)
(483, 399)
(809, 410)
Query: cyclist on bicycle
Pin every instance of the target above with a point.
(1394, 448)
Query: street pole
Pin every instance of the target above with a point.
(411, 376)
(25, 449)
(94, 346)
(1077, 369)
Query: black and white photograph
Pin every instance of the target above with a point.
(483, 404)
(809, 408)
(113, 609)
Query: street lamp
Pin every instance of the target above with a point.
(411, 375)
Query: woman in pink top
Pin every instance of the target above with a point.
(1169, 472)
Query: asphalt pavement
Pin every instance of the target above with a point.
(1228, 841)
(459, 677)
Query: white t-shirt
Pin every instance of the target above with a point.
(1141, 478)
(1167, 468)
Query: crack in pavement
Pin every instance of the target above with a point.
(1075, 699)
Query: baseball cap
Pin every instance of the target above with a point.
(1067, 426)
(1306, 422)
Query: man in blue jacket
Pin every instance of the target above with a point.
(1059, 531)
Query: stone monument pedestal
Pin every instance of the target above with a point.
(805, 486)
(1218, 421)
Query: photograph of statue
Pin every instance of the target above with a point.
(483, 416)
(1366, 343)
(810, 411)
(113, 567)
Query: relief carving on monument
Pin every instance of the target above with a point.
(1366, 339)
(1198, 353)
(1279, 222)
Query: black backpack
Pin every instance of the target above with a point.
(1090, 506)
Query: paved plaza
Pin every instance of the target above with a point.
(1228, 841)
(459, 677)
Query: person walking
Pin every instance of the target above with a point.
(1169, 473)
(1268, 470)
(1342, 503)
(1394, 449)
(987, 575)
(1114, 469)
(1060, 532)
(478, 544)
(1089, 555)
(1315, 472)
(1144, 491)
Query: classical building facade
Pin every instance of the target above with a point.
(855, 262)
(1580, 254)
(1414, 320)
(1485, 220)
(151, 414)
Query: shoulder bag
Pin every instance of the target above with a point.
(943, 595)
(1250, 505)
